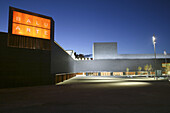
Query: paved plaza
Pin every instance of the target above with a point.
(90, 95)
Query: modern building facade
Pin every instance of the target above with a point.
(105, 50)
(109, 51)
(29, 55)
(106, 59)
(28, 58)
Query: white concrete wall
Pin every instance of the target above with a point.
(106, 50)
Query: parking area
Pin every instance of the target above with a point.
(90, 94)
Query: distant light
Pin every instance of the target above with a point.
(165, 52)
(153, 39)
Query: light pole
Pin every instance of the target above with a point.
(165, 62)
(154, 43)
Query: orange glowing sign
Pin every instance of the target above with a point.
(29, 25)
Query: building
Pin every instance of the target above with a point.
(106, 59)
(29, 57)
(109, 51)
(105, 50)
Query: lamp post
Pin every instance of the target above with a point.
(165, 62)
(154, 43)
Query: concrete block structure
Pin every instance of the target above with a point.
(105, 50)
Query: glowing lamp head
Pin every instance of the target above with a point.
(165, 52)
(153, 39)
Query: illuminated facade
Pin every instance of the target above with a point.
(29, 55)
(29, 30)
(29, 25)
(107, 62)
(105, 50)
(109, 51)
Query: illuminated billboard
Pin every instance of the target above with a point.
(30, 25)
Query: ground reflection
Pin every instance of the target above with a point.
(98, 81)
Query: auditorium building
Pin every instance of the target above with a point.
(29, 56)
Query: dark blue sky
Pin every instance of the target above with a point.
(80, 23)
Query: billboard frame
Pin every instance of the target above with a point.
(34, 40)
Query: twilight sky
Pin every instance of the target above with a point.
(80, 23)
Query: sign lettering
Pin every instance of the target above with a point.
(29, 25)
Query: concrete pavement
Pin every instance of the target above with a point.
(90, 95)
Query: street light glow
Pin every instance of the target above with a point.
(165, 52)
(153, 39)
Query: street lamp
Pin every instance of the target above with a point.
(165, 62)
(154, 43)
